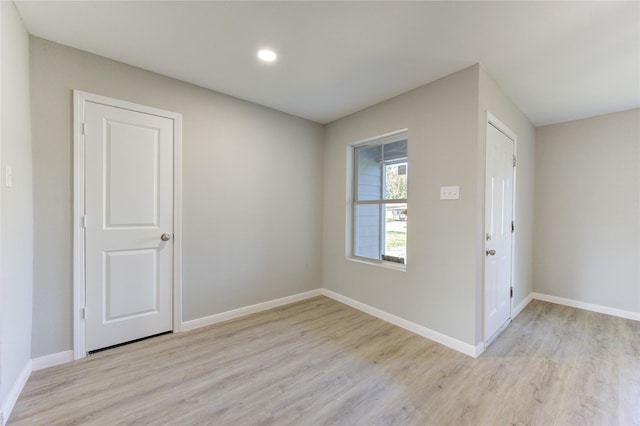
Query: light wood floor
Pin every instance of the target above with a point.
(319, 362)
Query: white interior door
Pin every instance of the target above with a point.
(128, 224)
(498, 229)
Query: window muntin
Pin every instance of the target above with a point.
(380, 199)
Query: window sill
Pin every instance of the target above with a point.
(380, 263)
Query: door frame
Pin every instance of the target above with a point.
(79, 100)
(492, 120)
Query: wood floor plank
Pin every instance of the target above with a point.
(319, 362)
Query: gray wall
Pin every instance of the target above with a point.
(252, 188)
(587, 210)
(244, 166)
(493, 100)
(16, 226)
(438, 288)
(442, 286)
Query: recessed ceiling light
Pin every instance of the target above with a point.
(267, 55)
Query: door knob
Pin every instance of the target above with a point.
(165, 237)
(491, 252)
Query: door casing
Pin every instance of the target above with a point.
(500, 126)
(79, 100)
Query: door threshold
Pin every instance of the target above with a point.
(496, 334)
(95, 351)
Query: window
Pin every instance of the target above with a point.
(380, 199)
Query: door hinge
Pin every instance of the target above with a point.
(83, 313)
(511, 293)
(84, 221)
(513, 226)
(514, 161)
(84, 129)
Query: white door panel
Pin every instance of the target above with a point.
(498, 217)
(129, 205)
(132, 175)
(131, 284)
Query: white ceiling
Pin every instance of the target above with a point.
(557, 61)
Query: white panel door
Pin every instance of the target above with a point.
(129, 206)
(498, 231)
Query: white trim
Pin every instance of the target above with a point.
(495, 335)
(51, 360)
(501, 127)
(395, 136)
(443, 339)
(465, 348)
(479, 349)
(4, 416)
(516, 311)
(588, 306)
(247, 310)
(78, 227)
(401, 267)
(177, 224)
(79, 99)
(13, 394)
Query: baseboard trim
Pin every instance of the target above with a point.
(443, 339)
(247, 310)
(14, 392)
(51, 360)
(521, 306)
(587, 306)
(479, 349)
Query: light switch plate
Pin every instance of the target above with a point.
(449, 192)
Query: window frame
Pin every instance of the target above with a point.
(381, 140)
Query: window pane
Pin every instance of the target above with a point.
(367, 231)
(395, 233)
(369, 173)
(395, 183)
(395, 151)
